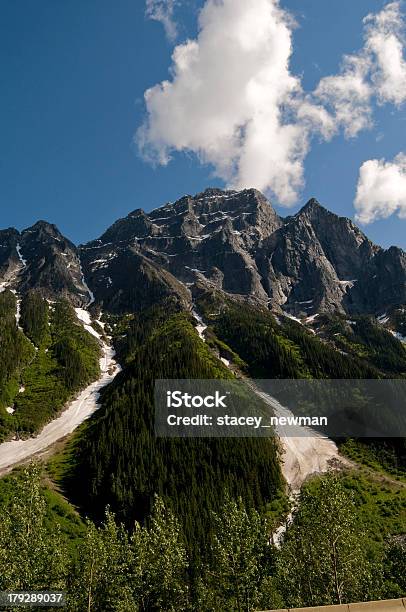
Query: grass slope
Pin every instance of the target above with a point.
(52, 357)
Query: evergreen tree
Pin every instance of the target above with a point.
(35, 318)
(120, 462)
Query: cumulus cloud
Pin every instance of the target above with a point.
(231, 97)
(348, 95)
(233, 101)
(381, 189)
(377, 70)
(385, 43)
(163, 11)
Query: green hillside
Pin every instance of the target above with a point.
(44, 362)
(117, 459)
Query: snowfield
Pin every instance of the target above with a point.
(77, 411)
(84, 317)
(398, 336)
(20, 256)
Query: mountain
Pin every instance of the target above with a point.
(235, 242)
(212, 237)
(227, 259)
(230, 241)
(41, 258)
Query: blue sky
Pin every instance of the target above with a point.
(73, 80)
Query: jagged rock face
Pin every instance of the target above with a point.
(41, 258)
(9, 259)
(234, 241)
(343, 243)
(124, 280)
(314, 262)
(212, 236)
(382, 285)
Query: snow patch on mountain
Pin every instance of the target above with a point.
(86, 286)
(20, 256)
(201, 326)
(85, 318)
(77, 411)
(290, 316)
(348, 283)
(398, 336)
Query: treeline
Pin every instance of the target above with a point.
(280, 350)
(363, 338)
(49, 360)
(117, 459)
(325, 556)
(378, 454)
(399, 320)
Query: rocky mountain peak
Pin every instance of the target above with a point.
(319, 214)
(42, 226)
(233, 241)
(9, 259)
(43, 233)
(212, 192)
(138, 212)
(41, 257)
(134, 225)
(312, 206)
(8, 233)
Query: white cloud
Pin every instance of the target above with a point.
(378, 70)
(163, 11)
(381, 189)
(234, 102)
(385, 43)
(348, 95)
(230, 97)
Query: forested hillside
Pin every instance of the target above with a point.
(190, 524)
(16, 352)
(117, 459)
(45, 360)
(364, 338)
(274, 346)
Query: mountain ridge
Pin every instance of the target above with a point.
(234, 241)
